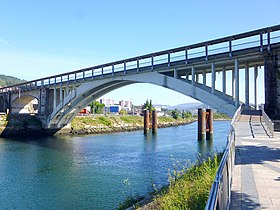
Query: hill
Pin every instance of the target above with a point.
(9, 80)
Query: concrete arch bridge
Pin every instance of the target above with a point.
(191, 70)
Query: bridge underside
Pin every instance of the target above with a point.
(90, 91)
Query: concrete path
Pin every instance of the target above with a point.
(256, 175)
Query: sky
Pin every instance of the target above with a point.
(44, 38)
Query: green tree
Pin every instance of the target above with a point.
(96, 107)
(148, 106)
(123, 112)
(186, 115)
(175, 114)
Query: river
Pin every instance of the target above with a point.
(89, 172)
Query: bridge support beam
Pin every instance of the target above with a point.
(236, 76)
(272, 83)
(54, 98)
(224, 80)
(247, 84)
(232, 83)
(193, 80)
(255, 86)
(204, 77)
(213, 74)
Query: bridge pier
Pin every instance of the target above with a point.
(146, 121)
(154, 122)
(272, 86)
(200, 124)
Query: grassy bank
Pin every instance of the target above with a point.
(188, 188)
(105, 124)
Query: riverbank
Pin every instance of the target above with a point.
(82, 125)
(30, 125)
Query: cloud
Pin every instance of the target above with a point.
(3, 42)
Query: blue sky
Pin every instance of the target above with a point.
(43, 38)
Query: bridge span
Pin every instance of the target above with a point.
(191, 70)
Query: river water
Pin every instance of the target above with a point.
(97, 171)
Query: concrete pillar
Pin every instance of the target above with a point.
(193, 80)
(224, 80)
(232, 83)
(247, 84)
(175, 73)
(197, 77)
(146, 121)
(204, 77)
(193, 75)
(60, 95)
(200, 124)
(54, 98)
(154, 122)
(271, 83)
(255, 85)
(213, 74)
(67, 90)
(209, 124)
(236, 71)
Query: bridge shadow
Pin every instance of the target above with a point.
(242, 201)
(24, 125)
(257, 154)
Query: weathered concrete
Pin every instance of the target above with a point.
(256, 175)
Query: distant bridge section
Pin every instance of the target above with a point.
(191, 70)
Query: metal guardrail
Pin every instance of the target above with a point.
(220, 193)
(268, 122)
(166, 58)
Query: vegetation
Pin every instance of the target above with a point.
(188, 187)
(96, 107)
(9, 80)
(220, 116)
(186, 115)
(175, 114)
(130, 201)
(123, 112)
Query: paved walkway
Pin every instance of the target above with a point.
(256, 175)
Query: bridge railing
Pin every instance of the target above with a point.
(262, 39)
(268, 122)
(220, 193)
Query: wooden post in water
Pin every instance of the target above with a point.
(201, 124)
(146, 121)
(154, 122)
(209, 124)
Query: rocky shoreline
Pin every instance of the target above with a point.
(30, 126)
(89, 130)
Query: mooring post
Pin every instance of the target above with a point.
(146, 121)
(154, 122)
(201, 124)
(209, 124)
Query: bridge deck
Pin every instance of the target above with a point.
(256, 175)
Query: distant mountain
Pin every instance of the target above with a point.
(185, 106)
(9, 80)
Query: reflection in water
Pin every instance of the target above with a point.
(150, 141)
(87, 172)
(205, 148)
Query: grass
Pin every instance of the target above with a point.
(188, 187)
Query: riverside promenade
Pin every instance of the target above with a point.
(256, 175)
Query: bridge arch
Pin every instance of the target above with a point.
(89, 91)
(25, 104)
